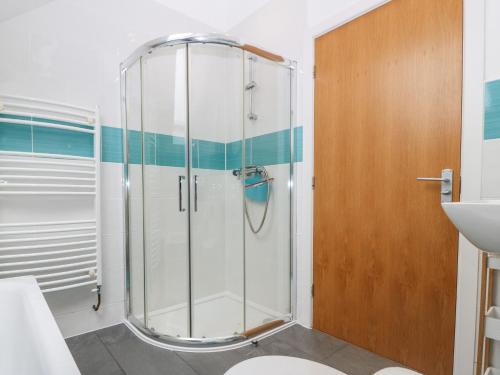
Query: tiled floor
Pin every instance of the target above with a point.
(116, 350)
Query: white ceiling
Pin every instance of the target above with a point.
(12, 8)
(219, 14)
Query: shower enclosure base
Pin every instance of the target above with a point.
(163, 342)
(216, 315)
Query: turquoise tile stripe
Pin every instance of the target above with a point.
(266, 149)
(492, 110)
(208, 155)
(111, 144)
(297, 140)
(233, 155)
(170, 151)
(63, 142)
(28, 138)
(159, 149)
(149, 144)
(269, 149)
(134, 141)
(15, 137)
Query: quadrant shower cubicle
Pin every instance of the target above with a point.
(209, 161)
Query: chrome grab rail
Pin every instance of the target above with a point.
(258, 183)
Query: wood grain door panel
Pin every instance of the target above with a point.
(387, 110)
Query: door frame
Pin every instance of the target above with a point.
(469, 263)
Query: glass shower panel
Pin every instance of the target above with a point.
(135, 276)
(215, 130)
(166, 191)
(267, 193)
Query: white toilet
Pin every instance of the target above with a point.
(396, 371)
(282, 365)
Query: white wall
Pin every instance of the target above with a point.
(321, 10)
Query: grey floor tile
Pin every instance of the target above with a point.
(315, 343)
(91, 356)
(139, 358)
(356, 361)
(116, 350)
(212, 363)
(274, 347)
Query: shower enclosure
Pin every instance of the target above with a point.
(209, 161)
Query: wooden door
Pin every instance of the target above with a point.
(388, 109)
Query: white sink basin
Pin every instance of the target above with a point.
(478, 221)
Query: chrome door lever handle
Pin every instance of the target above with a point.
(446, 181)
(440, 179)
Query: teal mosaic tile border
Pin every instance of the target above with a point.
(111, 144)
(134, 147)
(31, 138)
(208, 155)
(63, 142)
(492, 110)
(159, 149)
(15, 137)
(267, 149)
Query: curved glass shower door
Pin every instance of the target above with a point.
(215, 117)
(268, 149)
(166, 191)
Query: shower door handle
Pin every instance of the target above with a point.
(181, 208)
(195, 193)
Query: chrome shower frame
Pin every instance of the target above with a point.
(138, 327)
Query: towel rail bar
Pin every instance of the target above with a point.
(45, 253)
(69, 286)
(31, 247)
(46, 223)
(34, 231)
(70, 272)
(38, 269)
(33, 239)
(49, 260)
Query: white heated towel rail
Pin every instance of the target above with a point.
(50, 195)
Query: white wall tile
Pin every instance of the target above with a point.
(491, 169)
(492, 47)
